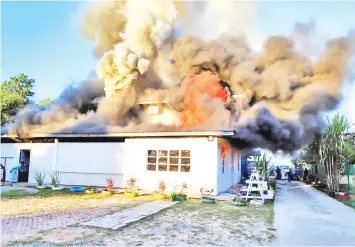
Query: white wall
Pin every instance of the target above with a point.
(203, 163)
(41, 158)
(90, 164)
(230, 176)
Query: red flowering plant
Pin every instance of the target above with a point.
(131, 189)
(160, 194)
(109, 185)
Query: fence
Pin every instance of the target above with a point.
(351, 179)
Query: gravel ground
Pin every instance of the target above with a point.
(186, 223)
(26, 217)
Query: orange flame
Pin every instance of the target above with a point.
(225, 150)
(205, 83)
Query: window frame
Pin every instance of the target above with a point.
(149, 156)
(179, 157)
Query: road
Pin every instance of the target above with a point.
(306, 216)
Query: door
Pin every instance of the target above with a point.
(25, 156)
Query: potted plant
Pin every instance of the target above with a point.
(39, 176)
(55, 180)
(109, 187)
(239, 202)
(160, 194)
(178, 194)
(206, 196)
(131, 189)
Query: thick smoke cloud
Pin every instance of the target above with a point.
(193, 61)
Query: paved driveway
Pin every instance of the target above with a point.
(306, 216)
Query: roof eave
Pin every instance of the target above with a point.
(222, 133)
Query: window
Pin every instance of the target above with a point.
(185, 161)
(152, 160)
(174, 160)
(163, 160)
(169, 160)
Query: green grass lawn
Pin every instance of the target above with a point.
(41, 193)
(348, 203)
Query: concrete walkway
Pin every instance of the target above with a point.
(306, 216)
(124, 217)
(8, 188)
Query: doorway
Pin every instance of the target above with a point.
(25, 156)
(7, 162)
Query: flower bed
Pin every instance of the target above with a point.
(130, 194)
(159, 196)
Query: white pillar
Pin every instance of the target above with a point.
(55, 154)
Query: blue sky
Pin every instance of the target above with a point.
(42, 40)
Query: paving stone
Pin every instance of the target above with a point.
(124, 217)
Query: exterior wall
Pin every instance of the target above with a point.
(41, 158)
(231, 174)
(203, 163)
(90, 164)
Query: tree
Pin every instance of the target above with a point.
(45, 102)
(310, 153)
(15, 94)
(262, 163)
(334, 150)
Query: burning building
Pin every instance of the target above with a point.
(165, 91)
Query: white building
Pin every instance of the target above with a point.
(194, 158)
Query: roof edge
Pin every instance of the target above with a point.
(131, 134)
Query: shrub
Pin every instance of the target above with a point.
(173, 196)
(55, 178)
(39, 176)
(131, 186)
(162, 187)
(180, 189)
(206, 193)
(109, 185)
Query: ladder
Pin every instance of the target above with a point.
(254, 180)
